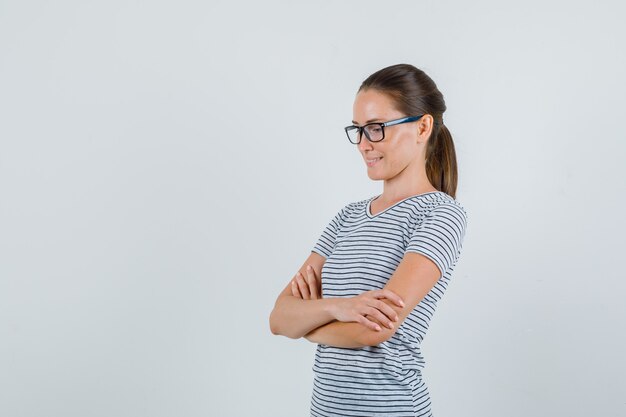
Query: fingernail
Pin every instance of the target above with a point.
(377, 328)
(308, 267)
(391, 325)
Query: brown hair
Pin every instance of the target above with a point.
(415, 93)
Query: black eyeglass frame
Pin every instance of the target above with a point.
(361, 129)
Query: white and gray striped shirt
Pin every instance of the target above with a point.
(362, 251)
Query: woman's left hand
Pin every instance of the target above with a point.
(307, 287)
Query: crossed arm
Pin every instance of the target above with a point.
(352, 322)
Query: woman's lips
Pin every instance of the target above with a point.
(372, 162)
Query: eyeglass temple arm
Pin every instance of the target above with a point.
(403, 120)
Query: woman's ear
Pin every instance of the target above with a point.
(425, 127)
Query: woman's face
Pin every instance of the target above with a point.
(402, 146)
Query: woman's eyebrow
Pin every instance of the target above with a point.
(369, 121)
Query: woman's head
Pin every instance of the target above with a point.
(399, 91)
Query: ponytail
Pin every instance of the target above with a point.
(441, 167)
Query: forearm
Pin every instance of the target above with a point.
(294, 317)
(342, 334)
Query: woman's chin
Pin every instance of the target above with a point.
(373, 175)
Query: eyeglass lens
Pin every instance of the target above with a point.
(373, 132)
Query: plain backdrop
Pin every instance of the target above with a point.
(166, 166)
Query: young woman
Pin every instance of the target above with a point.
(368, 290)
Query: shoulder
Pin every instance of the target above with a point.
(441, 202)
(450, 204)
(440, 206)
(346, 212)
(355, 206)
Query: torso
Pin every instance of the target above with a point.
(363, 249)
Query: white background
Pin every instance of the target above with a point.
(165, 168)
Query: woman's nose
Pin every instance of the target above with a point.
(364, 143)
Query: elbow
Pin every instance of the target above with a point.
(276, 328)
(280, 332)
(273, 327)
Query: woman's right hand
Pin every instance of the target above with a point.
(307, 288)
(368, 305)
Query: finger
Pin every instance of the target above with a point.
(368, 323)
(312, 282)
(391, 296)
(384, 320)
(374, 320)
(304, 288)
(386, 310)
(294, 289)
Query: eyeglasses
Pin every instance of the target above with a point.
(375, 132)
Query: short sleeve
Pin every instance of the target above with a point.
(326, 242)
(440, 235)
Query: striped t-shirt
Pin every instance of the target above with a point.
(362, 251)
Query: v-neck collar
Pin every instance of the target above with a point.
(369, 203)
